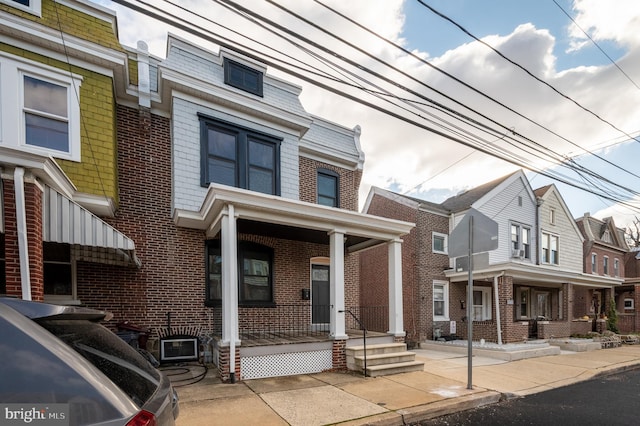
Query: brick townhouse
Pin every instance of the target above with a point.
(193, 196)
(531, 286)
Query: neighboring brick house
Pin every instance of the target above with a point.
(628, 297)
(424, 260)
(228, 210)
(58, 147)
(535, 274)
(604, 253)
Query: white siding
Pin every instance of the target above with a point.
(504, 209)
(188, 194)
(569, 241)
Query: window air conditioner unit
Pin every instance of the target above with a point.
(179, 349)
(518, 254)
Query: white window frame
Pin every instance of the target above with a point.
(520, 241)
(487, 314)
(594, 263)
(35, 6)
(445, 242)
(616, 267)
(547, 239)
(66, 299)
(552, 216)
(445, 290)
(12, 72)
(631, 303)
(605, 265)
(519, 292)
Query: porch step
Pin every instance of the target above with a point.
(397, 368)
(383, 359)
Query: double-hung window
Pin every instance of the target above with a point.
(594, 263)
(239, 157)
(481, 309)
(549, 248)
(616, 267)
(439, 242)
(440, 301)
(605, 265)
(255, 274)
(328, 188)
(40, 108)
(520, 241)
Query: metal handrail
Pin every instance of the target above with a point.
(364, 339)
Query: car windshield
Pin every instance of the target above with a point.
(117, 360)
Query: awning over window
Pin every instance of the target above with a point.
(92, 239)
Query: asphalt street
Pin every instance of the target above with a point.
(610, 400)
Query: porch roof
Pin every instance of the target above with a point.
(291, 219)
(532, 274)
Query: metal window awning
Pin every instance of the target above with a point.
(92, 239)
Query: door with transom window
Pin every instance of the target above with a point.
(320, 294)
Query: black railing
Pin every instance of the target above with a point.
(284, 320)
(364, 338)
(300, 320)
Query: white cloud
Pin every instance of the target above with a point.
(402, 156)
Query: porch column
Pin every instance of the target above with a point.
(21, 226)
(396, 326)
(229, 252)
(336, 284)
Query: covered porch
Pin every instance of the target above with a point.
(536, 302)
(308, 245)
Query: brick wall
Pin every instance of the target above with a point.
(349, 181)
(33, 210)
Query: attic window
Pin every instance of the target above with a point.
(606, 237)
(242, 77)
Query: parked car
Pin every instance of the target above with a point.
(52, 354)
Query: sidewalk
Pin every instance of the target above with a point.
(350, 399)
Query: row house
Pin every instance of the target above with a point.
(193, 196)
(605, 250)
(532, 286)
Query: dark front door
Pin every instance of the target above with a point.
(320, 294)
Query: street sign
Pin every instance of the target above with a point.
(484, 235)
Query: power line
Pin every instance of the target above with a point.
(464, 30)
(597, 45)
(203, 33)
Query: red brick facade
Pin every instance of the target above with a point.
(33, 209)
(420, 267)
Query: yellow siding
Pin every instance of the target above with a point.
(72, 22)
(97, 172)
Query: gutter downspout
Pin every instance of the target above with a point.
(539, 202)
(495, 290)
(21, 226)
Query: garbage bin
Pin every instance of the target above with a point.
(133, 334)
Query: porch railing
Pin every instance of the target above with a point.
(300, 320)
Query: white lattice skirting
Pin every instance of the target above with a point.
(287, 364)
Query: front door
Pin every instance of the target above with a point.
(320, 294)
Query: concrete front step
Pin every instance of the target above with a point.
(377, 349)
(383, 359)
(395, 368)
(387, 358)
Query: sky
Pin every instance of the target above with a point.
(582, 107)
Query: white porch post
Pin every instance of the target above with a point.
(23, 240)
(229, 252)
(336, 283)
(396, 326)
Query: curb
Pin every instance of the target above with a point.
(448, 406)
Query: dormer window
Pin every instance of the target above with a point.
(242, 77)
(606, 237)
